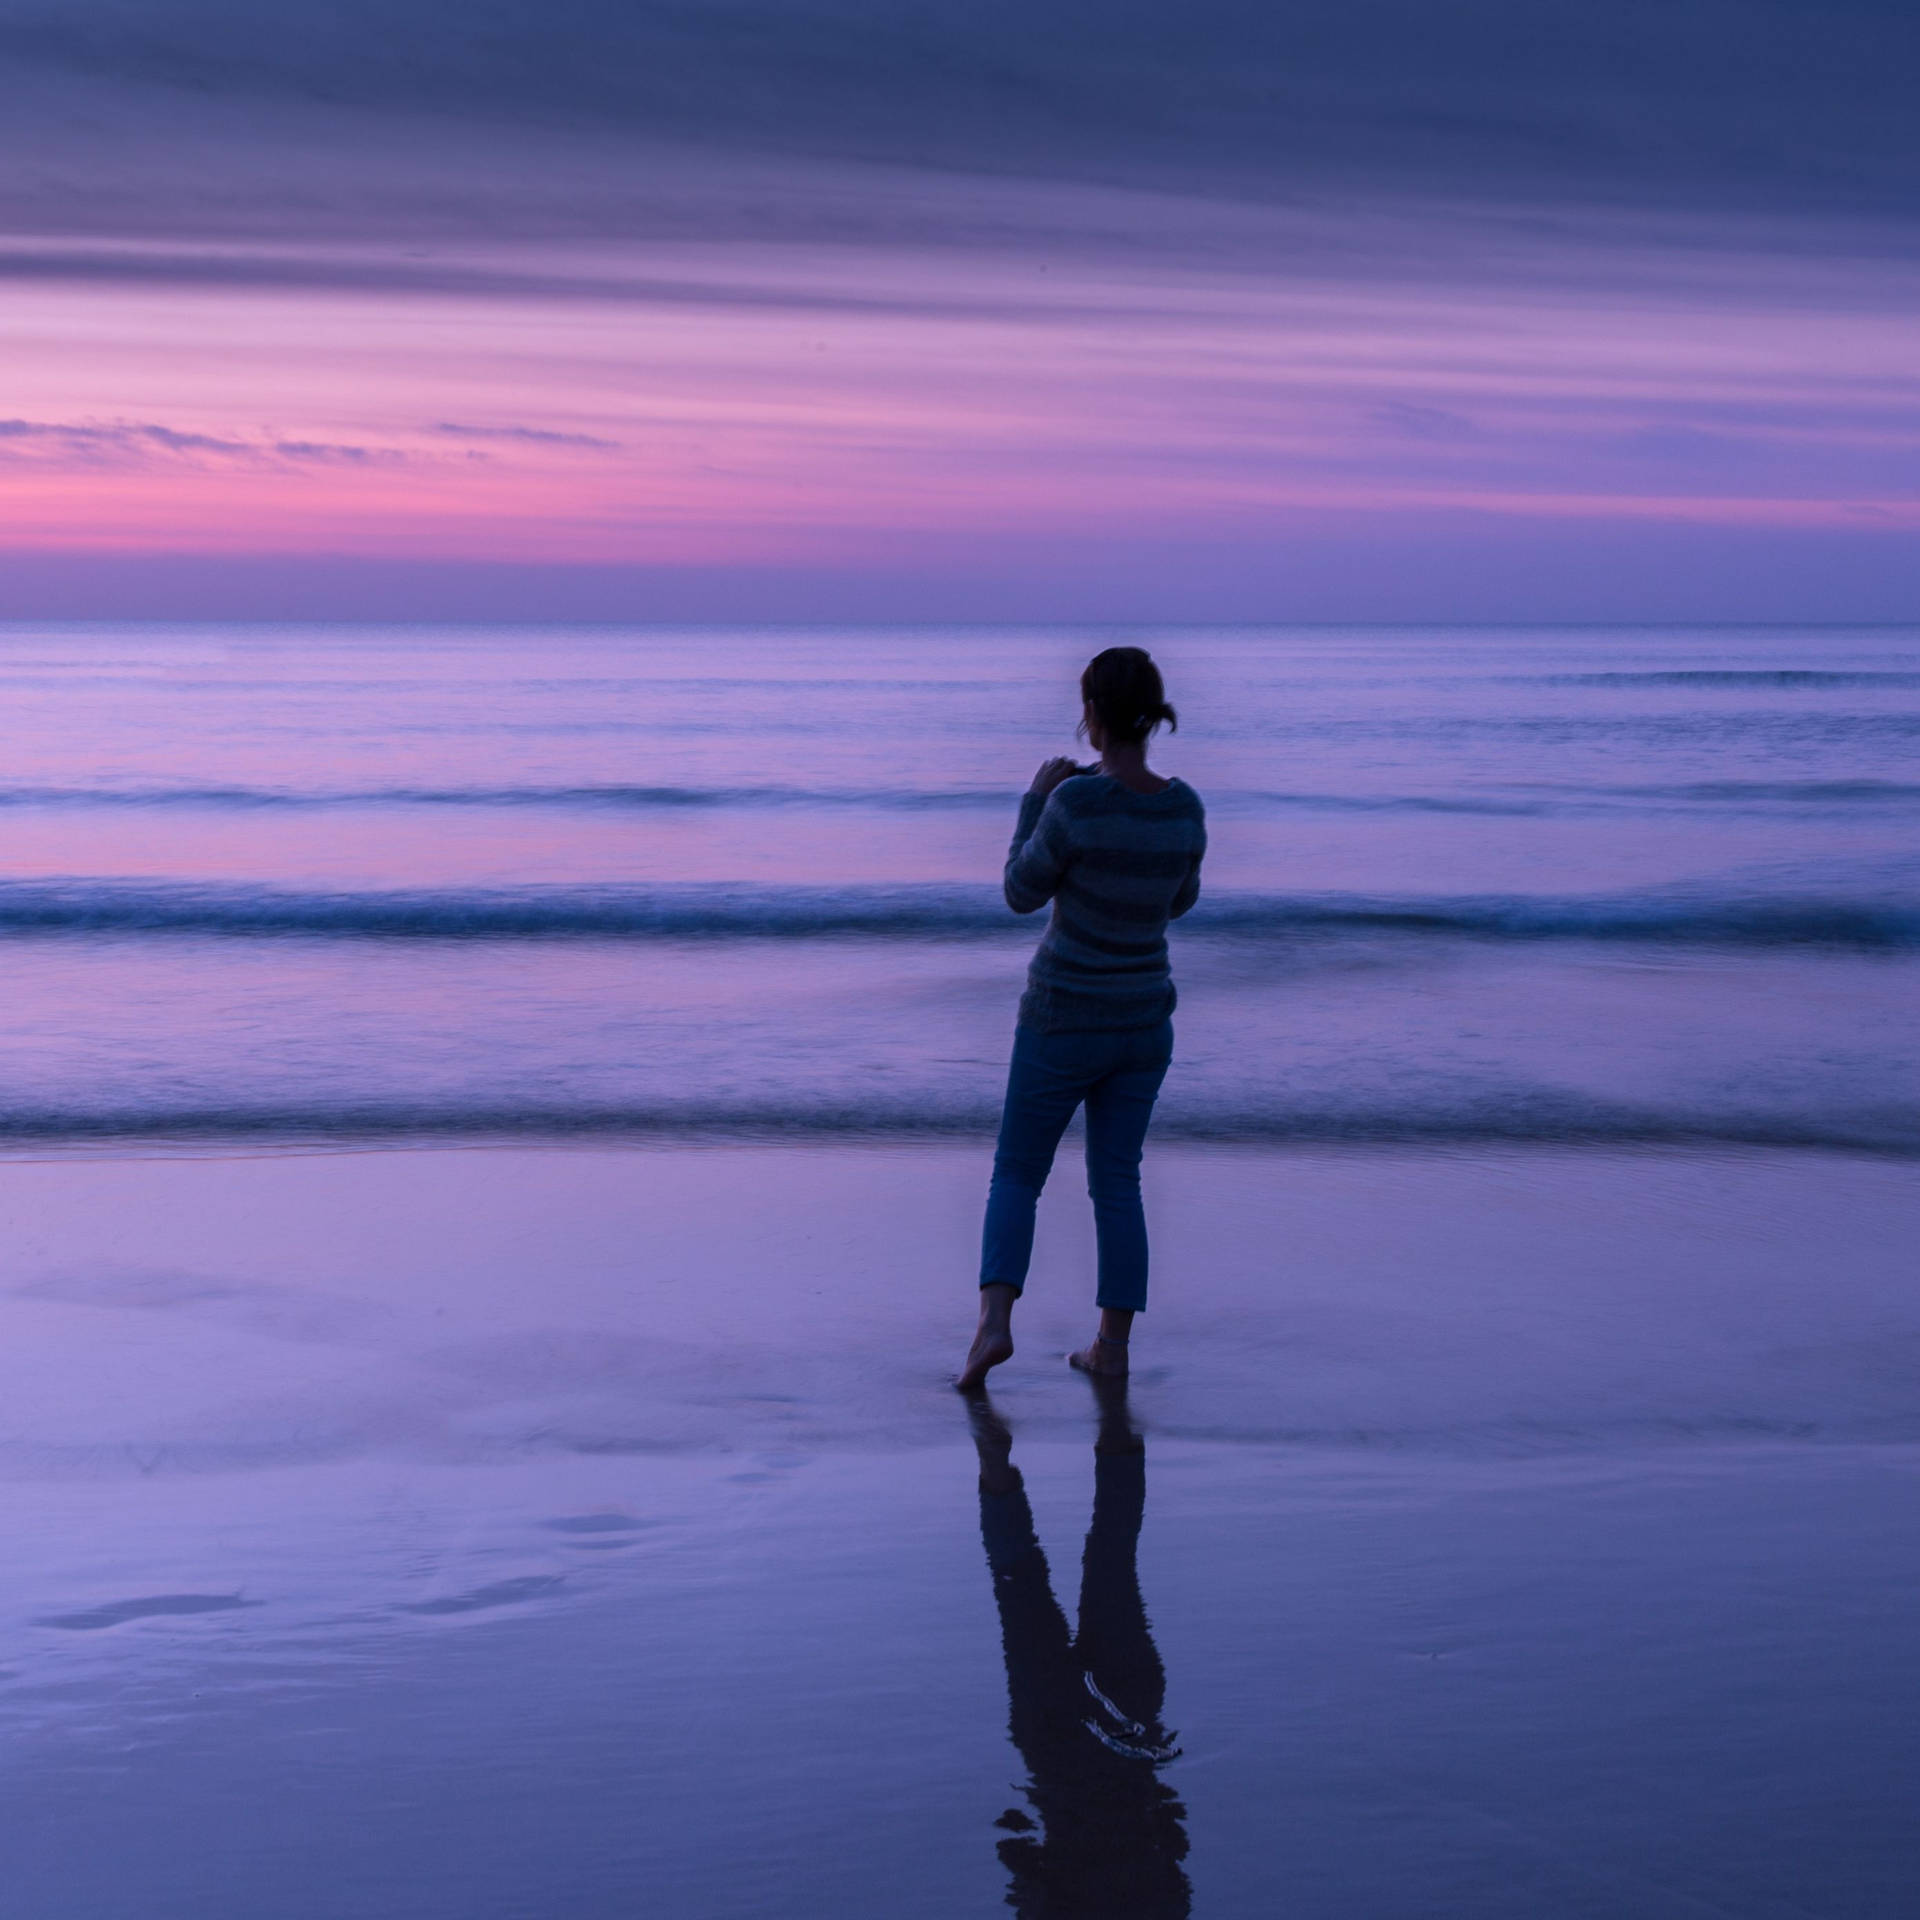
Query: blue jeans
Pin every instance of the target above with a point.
(1118, 1076)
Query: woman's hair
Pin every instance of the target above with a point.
(1123, 688)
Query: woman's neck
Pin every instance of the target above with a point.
(1128, 765)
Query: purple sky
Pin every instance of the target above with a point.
(1381, 310)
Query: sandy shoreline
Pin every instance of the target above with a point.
(211, 1313)
(514, 1533)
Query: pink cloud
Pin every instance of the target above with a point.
(796, 405)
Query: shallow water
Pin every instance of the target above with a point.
(303, 883)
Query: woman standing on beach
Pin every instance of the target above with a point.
(1117, 850)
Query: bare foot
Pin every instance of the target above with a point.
(1106, 1359)
(994, 1341)
(990, 1346)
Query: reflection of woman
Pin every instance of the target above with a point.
(1117, 850)
(1105, 1838)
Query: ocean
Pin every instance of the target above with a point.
(346, 884)
(493, 1129)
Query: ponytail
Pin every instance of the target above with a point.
(1124, 689)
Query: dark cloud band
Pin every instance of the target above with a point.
(1801, 103)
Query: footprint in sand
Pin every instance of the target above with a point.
(117, 1612)
(598, 1531)
(503, 1593)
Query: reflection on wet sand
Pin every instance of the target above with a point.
(1105, 1835)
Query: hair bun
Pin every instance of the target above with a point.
(1123, 687)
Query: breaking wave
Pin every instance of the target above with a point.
(613, 797)
(1523, 1118)
(617, 798)
(722, 912)
(1739, 677)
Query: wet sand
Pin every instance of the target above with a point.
(498, 1533)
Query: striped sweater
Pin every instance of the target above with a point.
(1117, 866)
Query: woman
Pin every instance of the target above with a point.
(1117, 850)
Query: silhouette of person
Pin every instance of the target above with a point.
(1105, 1836)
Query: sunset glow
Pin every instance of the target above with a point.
(237, 332)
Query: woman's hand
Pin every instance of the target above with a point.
(1052, 773)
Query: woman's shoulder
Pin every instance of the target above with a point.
(1101, 793)
(1077, 789)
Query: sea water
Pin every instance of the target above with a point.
(304, 884)
(571, 1513)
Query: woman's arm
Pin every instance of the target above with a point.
(1037, 860)
(1189, 888)
(1189, 892)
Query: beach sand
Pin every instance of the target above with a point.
(591, 1532)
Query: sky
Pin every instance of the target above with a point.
(825, 310)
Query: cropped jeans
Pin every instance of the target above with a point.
(1117, 1076)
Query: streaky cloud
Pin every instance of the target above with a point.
(522, 436)
(528, 274)
(124, 435)
(137, 440)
